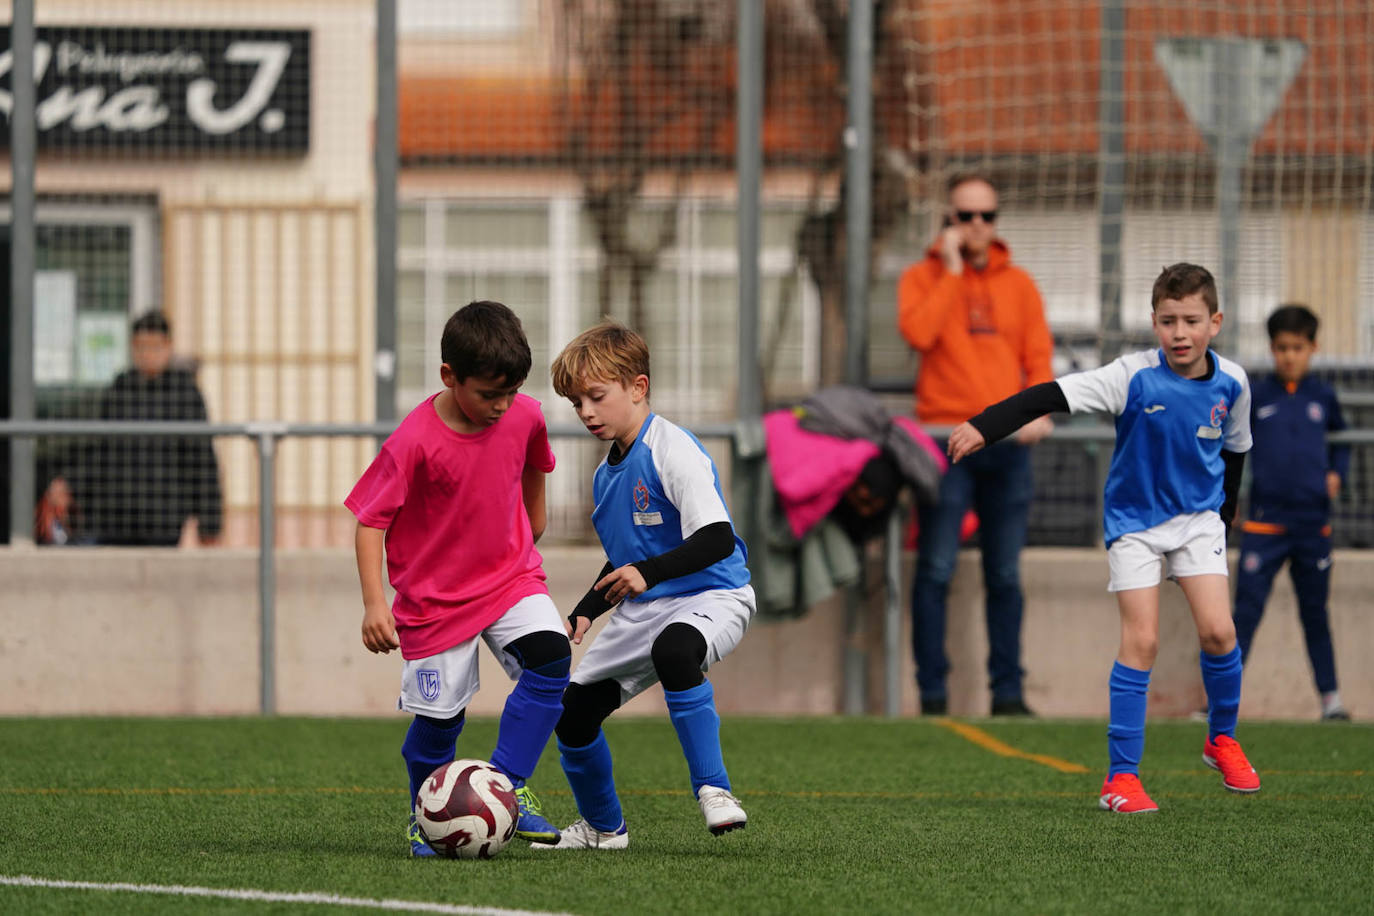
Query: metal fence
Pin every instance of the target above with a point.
(307, 190)
(268, 438)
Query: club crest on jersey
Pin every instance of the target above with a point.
(642, 515)
(427, 679)
(1315, 412)
(1219, 412)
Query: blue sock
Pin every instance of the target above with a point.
(531, 712)
(1221, 678)
(693, 712)
(1130, 689)
(593, 786)
(427, 747)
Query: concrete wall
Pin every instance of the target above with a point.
(145, 632)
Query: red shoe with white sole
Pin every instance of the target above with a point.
(1225, 755)
(1124, 794)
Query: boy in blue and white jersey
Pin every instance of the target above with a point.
(677, 572)
(1182, 431)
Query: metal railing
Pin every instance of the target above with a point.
(746, 441)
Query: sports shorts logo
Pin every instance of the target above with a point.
(1154, 408)
(427, 679)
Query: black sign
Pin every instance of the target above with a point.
(140, 89)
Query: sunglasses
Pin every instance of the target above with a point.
(966, 216)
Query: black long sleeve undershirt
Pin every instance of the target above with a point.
(1006, 417)
(707, 545)
(1230, 484)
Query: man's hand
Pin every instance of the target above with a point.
(379, 629)
(964, 441)
(1333, 484)
(1034, 431)
(575, 633)
(622, 583)
(949, 250)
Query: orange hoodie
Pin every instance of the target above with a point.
(981, 334)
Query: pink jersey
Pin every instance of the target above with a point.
(458, 546)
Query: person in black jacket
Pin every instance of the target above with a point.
(144, 491)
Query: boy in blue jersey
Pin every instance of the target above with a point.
(676, 570)
(1294, 477)
(1182, 430)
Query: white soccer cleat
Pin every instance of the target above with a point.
(721, 810)
(583, 835)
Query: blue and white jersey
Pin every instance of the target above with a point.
(661, 492)
(1170, 432)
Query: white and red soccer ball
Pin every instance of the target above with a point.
(466, 809)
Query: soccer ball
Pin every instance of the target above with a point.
(466, 809)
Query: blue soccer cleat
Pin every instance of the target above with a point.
(418, 847)
(533, 826)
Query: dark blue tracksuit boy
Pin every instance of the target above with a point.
(1289, 520)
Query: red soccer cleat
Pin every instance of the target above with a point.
(1124, 794)
(1225, 755)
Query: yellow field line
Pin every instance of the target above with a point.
(989, 743)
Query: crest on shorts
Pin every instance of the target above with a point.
(1219, 412)
(641, 496)
(427, 679)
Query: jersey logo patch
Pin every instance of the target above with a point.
(642, 515)
(1315, 412)
(1267, 411)
(1219, 412)
(427, 679)
(1154, 408)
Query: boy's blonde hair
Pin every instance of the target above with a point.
(609, 352)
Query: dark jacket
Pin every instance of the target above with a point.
(1291, 456)
(141, 490)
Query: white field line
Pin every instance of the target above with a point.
(177, 890)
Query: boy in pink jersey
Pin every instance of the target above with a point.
(456, 497)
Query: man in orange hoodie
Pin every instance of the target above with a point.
(979, 325)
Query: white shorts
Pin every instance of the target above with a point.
(622, 650)
(1194, 544)
(442, 685)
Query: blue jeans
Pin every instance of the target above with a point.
(996, 483)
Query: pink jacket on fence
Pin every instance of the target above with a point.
(811, 471)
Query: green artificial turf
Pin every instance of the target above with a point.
(845, 816)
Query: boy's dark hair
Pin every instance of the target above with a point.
(1181, 280)
(1294, 318)
(484, 338)
(154, 322)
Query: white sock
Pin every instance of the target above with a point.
(1331, 701)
